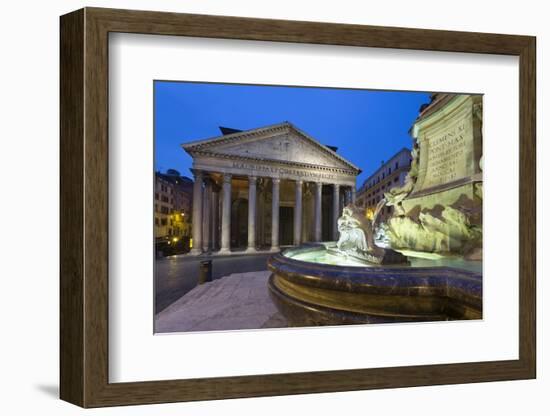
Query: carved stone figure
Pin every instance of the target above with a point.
(448, 231)
(357, 239)
(396, 195)
(353, 237)
(381, 236)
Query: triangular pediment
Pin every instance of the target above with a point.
(280, 143)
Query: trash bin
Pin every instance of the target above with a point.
(205, 271)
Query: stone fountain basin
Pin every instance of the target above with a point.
(309, 293)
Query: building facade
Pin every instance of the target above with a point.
(389, 175)
(265, 188)
(173, 198)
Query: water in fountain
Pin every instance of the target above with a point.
(357, 247)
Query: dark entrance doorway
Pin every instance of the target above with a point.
(326, 219)
(286, 226)
(239, 223)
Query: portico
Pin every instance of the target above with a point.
(266, 188)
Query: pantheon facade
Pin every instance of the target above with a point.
(265, 188)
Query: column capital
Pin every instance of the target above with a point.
(197, 173)
(227, 178)
(299, 181)
(276, 180)
(252, 179)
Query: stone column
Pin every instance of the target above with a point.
(251, 214)
(275, 215)
(226, 215)
(197, 213)
(353, 194)
(298, 214)
(308, 213)
(260, 213)
(215, 201)
(207, 213)
(335, 210)
(318, 212)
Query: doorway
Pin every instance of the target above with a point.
(286, 226)
(239, 223)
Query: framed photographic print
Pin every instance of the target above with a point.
(255, 207)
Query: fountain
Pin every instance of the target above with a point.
(355, 281)
(425, 263)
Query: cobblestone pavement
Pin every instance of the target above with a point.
(237, 301)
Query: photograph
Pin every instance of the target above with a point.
(295, 206)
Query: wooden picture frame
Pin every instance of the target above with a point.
(84, 207)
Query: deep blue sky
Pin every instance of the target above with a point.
(367, 126)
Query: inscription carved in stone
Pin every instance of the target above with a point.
(446, 152)
(282, 171)
(446, 156)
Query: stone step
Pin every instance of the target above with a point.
(235, 301)
(196, 293)
(209, 289)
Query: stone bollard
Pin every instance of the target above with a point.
(205, 271)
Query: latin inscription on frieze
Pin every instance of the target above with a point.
(283, 172)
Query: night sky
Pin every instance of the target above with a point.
(367, 126)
